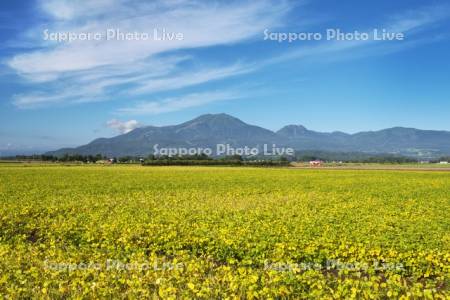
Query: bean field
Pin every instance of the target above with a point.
(222, 233)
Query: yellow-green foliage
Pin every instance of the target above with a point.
(204, 232)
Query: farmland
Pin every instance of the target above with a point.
(222, 232)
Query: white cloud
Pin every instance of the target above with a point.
(417, 19)
(64, 94)
(188, 79)
(143, 66)
(177, 103)
(123, 127)
(89, 88)
(100, 70)
(68, 10)
(410, 23)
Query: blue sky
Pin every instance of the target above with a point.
(55, 94)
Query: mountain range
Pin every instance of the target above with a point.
(209, 130)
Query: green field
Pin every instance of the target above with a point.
(211, 232)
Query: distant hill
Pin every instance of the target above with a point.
(212, 129)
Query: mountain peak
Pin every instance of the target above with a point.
(214, 120)
(221, 116)
(292, 130)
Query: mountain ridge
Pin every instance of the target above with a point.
(211, 129)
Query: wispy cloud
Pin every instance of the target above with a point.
(410, 23)
(417, 19)
(191, 78)
(177, 103)
(81, 71)
(105, 64)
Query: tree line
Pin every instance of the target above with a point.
(199, 159)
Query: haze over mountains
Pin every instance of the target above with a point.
(209, 130)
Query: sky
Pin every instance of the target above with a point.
(218, 57)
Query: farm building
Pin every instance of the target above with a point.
(315, 163)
